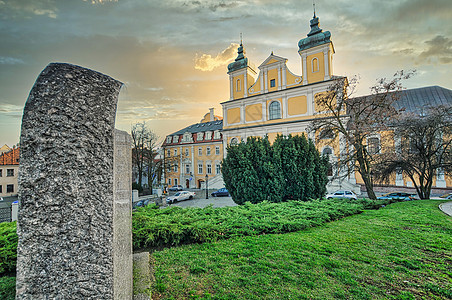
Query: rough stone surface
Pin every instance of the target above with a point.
(66, 186)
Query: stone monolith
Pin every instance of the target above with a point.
(74, 222)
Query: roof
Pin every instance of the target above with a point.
(201, 127)
(415, 100)
(10, 158)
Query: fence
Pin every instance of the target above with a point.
(5, 214)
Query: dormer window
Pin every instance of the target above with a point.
(200, 136)
(168, 139)
(208, 135)
(217, 135)
(175, 139)
(187, 137)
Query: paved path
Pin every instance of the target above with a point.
(215, 201)
(446, 208)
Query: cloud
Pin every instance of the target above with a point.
(439, 50)
(207, 63)
(6, 60)
(11, 110)
(13, 9)
(100, 1)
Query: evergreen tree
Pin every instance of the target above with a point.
(291, 168)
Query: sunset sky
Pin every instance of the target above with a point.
(172, 55)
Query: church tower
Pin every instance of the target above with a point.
(316, 53)
(241, 75)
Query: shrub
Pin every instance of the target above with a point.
(7, 288)
(8, 247)
(175, 226)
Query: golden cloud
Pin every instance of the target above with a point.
(206, 62)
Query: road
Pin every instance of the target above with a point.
(215, 201)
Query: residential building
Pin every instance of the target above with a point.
(9, 171)
(194, 153)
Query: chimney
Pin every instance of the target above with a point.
(212, 117)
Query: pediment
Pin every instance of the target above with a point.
(273, 59)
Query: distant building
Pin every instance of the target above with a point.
(194, 152)
(9, 170)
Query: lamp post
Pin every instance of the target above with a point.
(207, 186)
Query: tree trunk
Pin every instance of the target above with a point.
(365, 174)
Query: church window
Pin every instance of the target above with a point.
(238, 85)
(175, 152)
(217, 150)
(187, 152)
(327, 151)
(315, 65)
(373, 145)
(208, 151)
(199, 151)
(272, 83)
(326, 134)
(274, 110)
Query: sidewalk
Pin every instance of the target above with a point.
(446, 208)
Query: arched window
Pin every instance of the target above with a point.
(373, 145)
(238, 85)
(327, 151)
(326, 134)
(315, 65)
(234, 141)
(274, 110)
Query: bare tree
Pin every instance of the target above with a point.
(144, 152)
(354, 119)
(425, 149)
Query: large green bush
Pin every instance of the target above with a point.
(8, 247)
(291, 168)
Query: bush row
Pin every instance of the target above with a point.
(174, 226)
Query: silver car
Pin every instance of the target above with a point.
(342, 194)
(179, 196)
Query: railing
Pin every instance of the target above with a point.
(5, 214)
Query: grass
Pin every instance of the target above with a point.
(403, 251)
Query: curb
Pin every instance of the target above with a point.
(446, 208)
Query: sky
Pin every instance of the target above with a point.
(172, 55)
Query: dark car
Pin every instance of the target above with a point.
(140, 203)
(397, 196)
(221, 192)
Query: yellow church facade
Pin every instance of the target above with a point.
(273, 100)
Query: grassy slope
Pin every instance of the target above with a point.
(403, 251)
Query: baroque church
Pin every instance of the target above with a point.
(272, 100)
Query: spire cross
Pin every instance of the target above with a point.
(313, 5)
(240, 38)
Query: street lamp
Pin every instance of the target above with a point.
(207, 186)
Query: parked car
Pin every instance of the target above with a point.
(176, 188)
(342, 194)
(221, 192)
(140, 203)
(180, 196)
(397, 196)
(446, 196)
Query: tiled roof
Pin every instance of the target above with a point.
(201, 127)
(10, 158)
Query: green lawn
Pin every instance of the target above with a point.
(403, 251)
